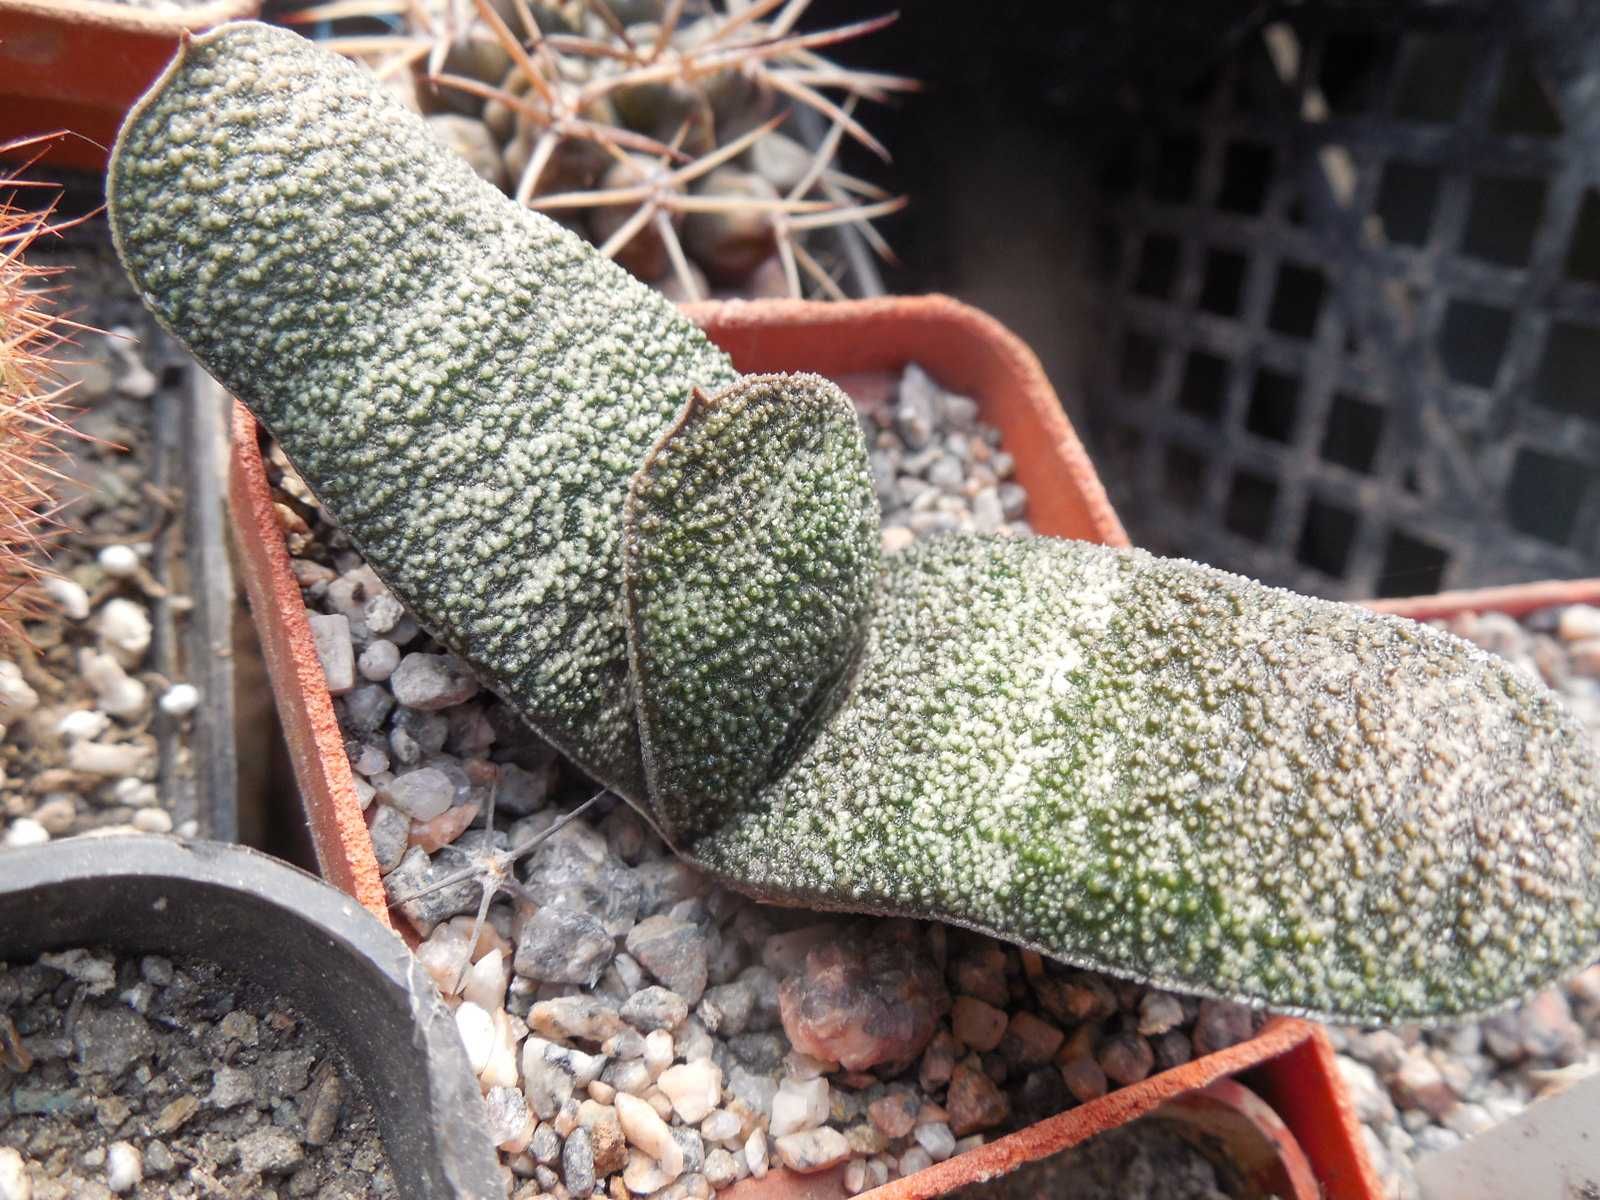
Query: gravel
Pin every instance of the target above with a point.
(148, 1078)
(96, 734)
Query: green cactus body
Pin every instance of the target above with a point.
(467, 385)
(1163, 770)
(751, 556)
(1146, 766)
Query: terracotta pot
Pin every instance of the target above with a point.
(1249, 1135)
(1290, 1061)
(78, 65)
(1515, 601)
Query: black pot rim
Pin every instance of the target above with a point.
(294, 935)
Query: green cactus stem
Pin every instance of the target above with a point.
(751, 554)
(467, 385)
(1144, 766)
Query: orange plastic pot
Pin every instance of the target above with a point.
(1289, 1063)
(78, 66)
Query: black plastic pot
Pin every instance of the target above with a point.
(303, 941)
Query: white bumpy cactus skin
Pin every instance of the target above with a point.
(464, 383)
(1144, 766)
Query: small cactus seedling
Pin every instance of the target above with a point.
(1144, 766)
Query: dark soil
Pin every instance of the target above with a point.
(196, 1083)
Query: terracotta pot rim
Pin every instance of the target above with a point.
(129, 18)
(1515, 599)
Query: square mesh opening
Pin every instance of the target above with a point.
(1503, 219)
(1472, 340)
(1297, 300)
(1222, 284)
(1251, 499)
(1203, 389)
(1545, 494)
(1569, 377)
(1407, 197)
(1326, 537)
(1272, 405)
(1351, 436)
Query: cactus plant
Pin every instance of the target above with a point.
(1145, 766)
(32, 398)
(621, 111)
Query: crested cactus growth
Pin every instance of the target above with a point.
(1149, 767)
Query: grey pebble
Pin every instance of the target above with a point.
(421, 794)
(432, 681)
(577, 1164)
(655, 1007)
(418, 871)
(366, 708)
(390, 829)
(109, 1041)
(561, 945)
(546, 1144)
(674, 952)
(269, 1151)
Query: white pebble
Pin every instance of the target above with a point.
(914, 1160)
(120, 562)
(477, 1033)
(799, 1104)
(1579, 621)
(25, 831)
(487, 980)
(125, 629)
(643, 1175)
(83, 723)
(97, 758)
(124, 1167)
(658, 1051)
(58, 812)
(856, 1176)
(720, 1126)
(134, 380)
(16, 697)
(379, 660)
(644, 1129)
(189, 828)
(755, 1153)
(180, 700)
(936, 1139)
(68, 595)
(152, 820)
(331, 636)
(119, 695)
(14, 1181)
(694, 1089)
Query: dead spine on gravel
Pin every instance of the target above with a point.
(1142, 766)
(32, 397)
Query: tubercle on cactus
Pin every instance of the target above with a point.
(33, 398)
(1141, 765)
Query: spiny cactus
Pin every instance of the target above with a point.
(639, 115)
(32, 399)
(1146, 766)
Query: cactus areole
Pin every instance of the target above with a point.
(1143, 766)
